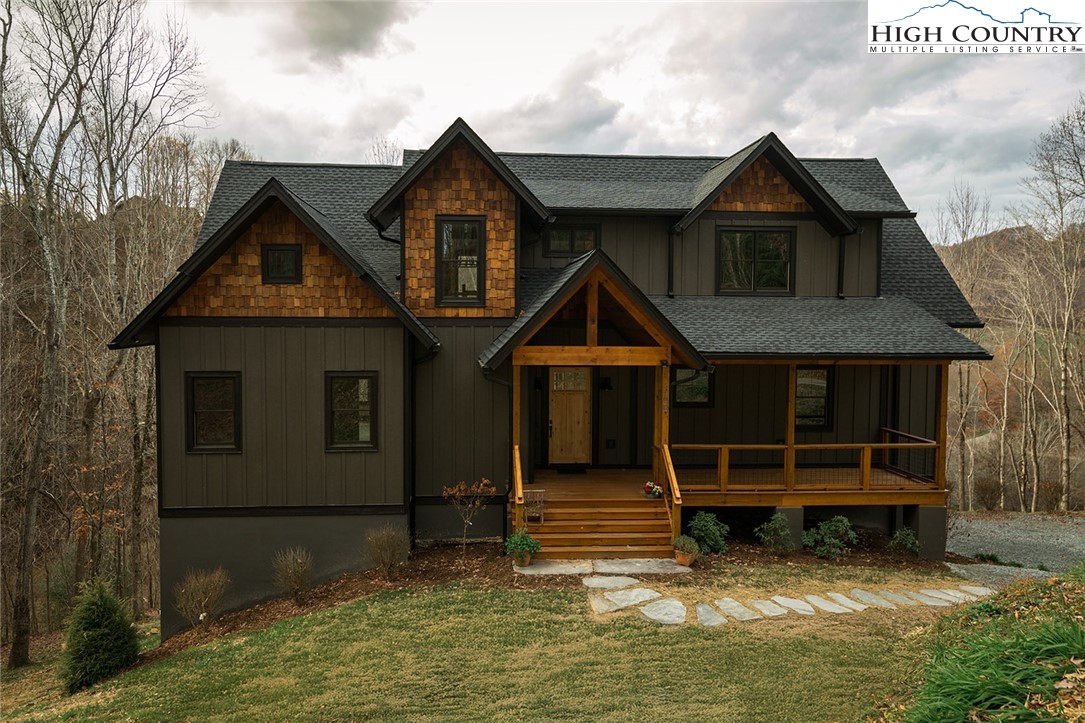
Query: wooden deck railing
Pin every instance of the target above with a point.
(672, 494)
(856, 473)
(517, 490)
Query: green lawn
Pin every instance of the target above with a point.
(460, 652)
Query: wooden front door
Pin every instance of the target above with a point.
(570, 415)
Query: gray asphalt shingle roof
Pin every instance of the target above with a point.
(814, 327)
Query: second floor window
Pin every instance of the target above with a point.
(755, 261)
(570, 240)
(461, 260)
(281, 263)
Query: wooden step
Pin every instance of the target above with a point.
(561, 539)
(600, 525)
(604, 513)
(559, 502)
(604, 551)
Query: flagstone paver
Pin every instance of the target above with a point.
(978, 590)
(667, 611)
(871, 599)
(639, 566)
(940, 595)
(829, 607)
(958, 595)
(600, 605)
(927, 599)
(768, 608)
(608, 582)
(841, 599)
(708, 617)
(633, 596)
(897, 597)
(555, 567)
(736, 609)
(800, 606)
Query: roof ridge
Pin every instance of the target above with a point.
(306, 164)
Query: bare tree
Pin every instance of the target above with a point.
(384, 151)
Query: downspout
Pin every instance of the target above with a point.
(670, 263)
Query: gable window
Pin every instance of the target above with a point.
(213, 411)
(755, 261)
(281, 263)
(571, 240)
(693, 388)
(350, 406)
(461, 260)
(813, 398)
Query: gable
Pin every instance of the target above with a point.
(761, 188)
(233, 285)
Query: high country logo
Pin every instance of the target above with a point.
(974, 26)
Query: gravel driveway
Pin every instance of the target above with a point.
(1056, 542)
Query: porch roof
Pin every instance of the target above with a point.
(814, 327)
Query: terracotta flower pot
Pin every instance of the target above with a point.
(522, 559)
(684, 558)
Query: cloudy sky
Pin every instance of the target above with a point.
(317, 81)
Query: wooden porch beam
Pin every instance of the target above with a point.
(941, 433)
(633, 310)
(593, 312)
(596, 356)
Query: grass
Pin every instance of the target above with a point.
(462, 652)
(1008, 657)
(994, 559)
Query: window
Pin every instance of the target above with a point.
(281, 263)
(755, 261)
(693, 388)
(351, 403)
(461, 257)
(570, 240)
(213, 401)
(813, 395)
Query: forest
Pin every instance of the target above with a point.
(107, 167)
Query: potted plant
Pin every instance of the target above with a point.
(651, 489)
(686, 550)
(521, 546)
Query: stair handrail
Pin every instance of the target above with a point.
(517, 490)
(675, 491)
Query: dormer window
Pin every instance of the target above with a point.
(461, 260)
(571, 240)
(281, 263)
(755, 261)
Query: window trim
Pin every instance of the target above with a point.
(830, 399)
(265, 249)
(441, 299)
(190, 413)
(789, 230)
(711, 402)
(549, 252)
(330, 445)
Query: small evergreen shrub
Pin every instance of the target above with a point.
(709, 532)
(293, 572)
(199, 594)
(686, 544)
(101, 639)
(387, 546)
(904, 543)
(776, 534)
(831, 539)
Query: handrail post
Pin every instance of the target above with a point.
(864, 467)
(723, 464)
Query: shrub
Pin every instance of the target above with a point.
(521, 543)
(387, 546)
(198, 596)
(831, 539)
(101, 639)
(468, 501)
(904, 543)
(709, 532)
(293, 572)
(685, 543)
(776, 534)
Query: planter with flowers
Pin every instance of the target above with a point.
(651, 489)
(686, 550)
(521, 546)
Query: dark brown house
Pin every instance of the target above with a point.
(755, 332)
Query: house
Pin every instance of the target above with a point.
(753, 333)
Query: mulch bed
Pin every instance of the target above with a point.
(486, 565)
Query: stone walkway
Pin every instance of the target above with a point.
(612, 587)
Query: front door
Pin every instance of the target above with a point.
(570, 415)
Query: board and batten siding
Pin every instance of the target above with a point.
(462, 420)
(816, 257)
(283, 461)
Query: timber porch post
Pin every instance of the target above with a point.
(789, 433)
(941, 433)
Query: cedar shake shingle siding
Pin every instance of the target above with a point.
(761, 188)
(233, 286)
(459, 184)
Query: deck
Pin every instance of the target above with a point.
(746, 487)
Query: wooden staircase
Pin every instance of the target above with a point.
(602, 528)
